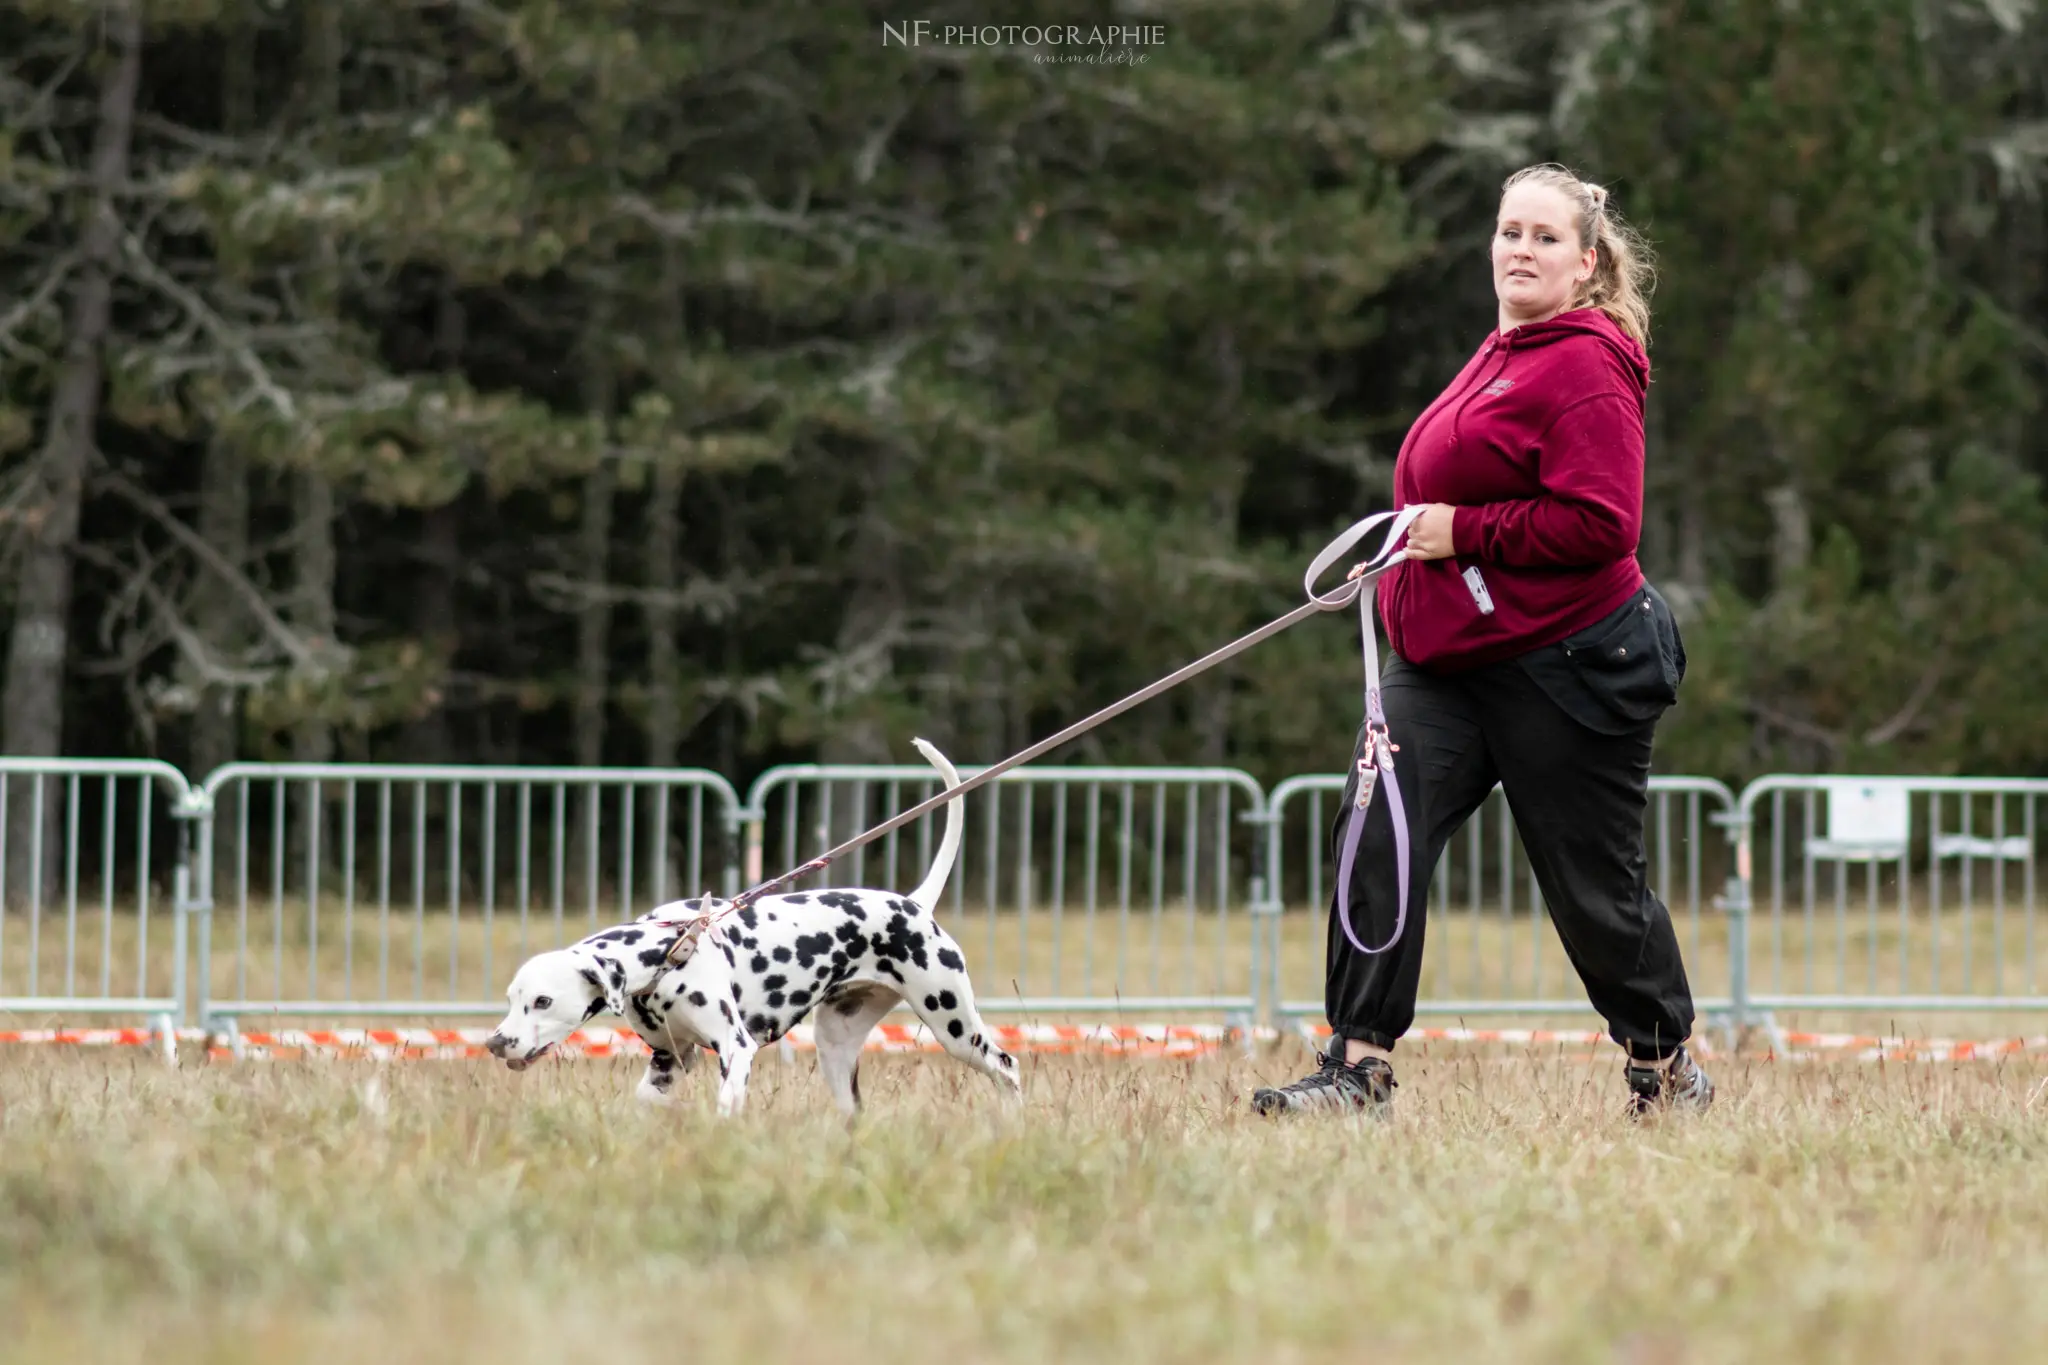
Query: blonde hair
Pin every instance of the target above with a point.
(1624, 269)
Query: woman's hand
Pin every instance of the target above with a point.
(1429, 537)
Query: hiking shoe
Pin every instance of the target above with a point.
(1676, 1084)
(1367, 1086)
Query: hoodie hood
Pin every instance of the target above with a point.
(1628, 353)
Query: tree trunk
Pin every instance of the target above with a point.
(594, 614)
(313, 507)
(664, 699)
(217, 617)
(224, 482)
(32, 707)
(434, 617)
(1791, 536)
(664, 549)
(664, 540)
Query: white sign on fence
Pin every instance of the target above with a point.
(1869, 820)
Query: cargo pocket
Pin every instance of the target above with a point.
(1633, 660)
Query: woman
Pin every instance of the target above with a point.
(1528, 651)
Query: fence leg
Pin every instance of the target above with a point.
(165, 1028)
(1735, 903)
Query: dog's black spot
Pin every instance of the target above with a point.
(947, 1000)
(904, 944)
(735, 990)
(725, 1010)
(953, 1027)
(931, 1002)
(646, 1016)
(653, 957)
(951, 960)
(885, 965)
(617, 972)
(975, 1041)
(747, 917)
(781, 955)
(840, 901)
(1008, 1060)
(796, 898)
(626, 936)
(799, 999)
(810, 947)
(759, 1025)
(775, 1000)
(905, 906)
(697, 999)
(596, 983)
(774, 983)
(758, 965)
(595, 1006)
(731, 959)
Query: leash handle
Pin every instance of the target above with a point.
(1378, 758)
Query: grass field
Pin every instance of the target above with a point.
(1130, 1212)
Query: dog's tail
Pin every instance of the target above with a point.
(927, 893)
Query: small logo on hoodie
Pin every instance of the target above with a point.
(1498, 387)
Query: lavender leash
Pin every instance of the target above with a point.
(1378, 758)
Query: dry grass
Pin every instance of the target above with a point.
(1132, 1212)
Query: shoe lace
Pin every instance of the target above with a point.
(1326, 1073)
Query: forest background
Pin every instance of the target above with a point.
(656, 382)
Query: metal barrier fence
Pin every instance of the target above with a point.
(1494, 950)
(351, 890)
(1077, 890)
(87, 850)
(363, 890)
(1908, 893)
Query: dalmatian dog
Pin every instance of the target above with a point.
(844, 958)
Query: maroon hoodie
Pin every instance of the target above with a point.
(1539, 444)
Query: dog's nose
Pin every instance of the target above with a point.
(496, 1044)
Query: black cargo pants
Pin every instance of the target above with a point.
(1566, 731)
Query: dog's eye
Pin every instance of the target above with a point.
(541, 1002)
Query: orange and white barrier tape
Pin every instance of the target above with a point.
(1177, 1041)
(1127, 1040)
(1872, 1048)
(84, 1037)
(1141, 1040)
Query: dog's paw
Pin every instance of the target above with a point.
(647, 1092)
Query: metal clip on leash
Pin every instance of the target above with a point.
(1380, 750)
